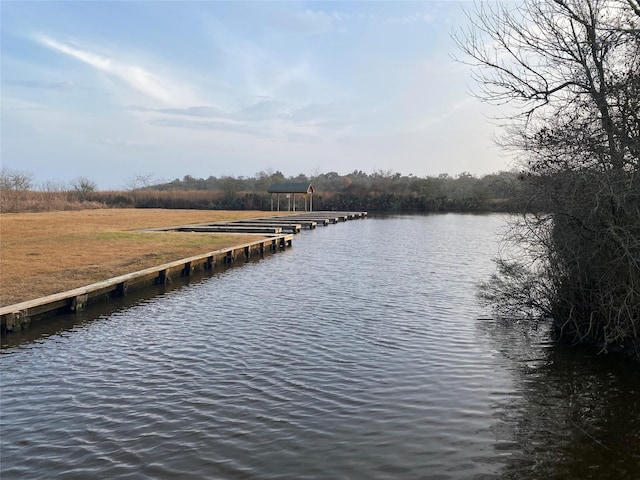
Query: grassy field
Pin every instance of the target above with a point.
(51, 252)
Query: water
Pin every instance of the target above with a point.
(360, 353)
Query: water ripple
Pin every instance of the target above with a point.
(357, 354)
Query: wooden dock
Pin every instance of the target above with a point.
(289, 223)
(230, 228)
(18, 316)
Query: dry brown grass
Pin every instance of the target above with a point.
(51, 252)
(35, 201)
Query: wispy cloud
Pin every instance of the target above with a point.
(63, 85)
(259, 117)
(405, 19)
(319, 21)
(199, 111)
(308, 21)
(113, 142)
(137, 77)
(315, 22)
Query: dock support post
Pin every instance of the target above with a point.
(163, 278)
(17, 321)
(186, 271)
(79, 303)
(121, 289)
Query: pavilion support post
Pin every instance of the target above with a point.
(292, 191)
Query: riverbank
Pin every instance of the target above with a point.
(50, 252)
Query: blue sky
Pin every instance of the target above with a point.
(115, 90)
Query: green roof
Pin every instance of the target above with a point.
(291, 188)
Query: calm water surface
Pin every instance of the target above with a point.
(360, 353)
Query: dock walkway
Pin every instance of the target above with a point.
(290, 223)
(18, 316)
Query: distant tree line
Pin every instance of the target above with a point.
(380, 191)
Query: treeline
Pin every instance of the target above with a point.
(380, 191)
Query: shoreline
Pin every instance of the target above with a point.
(108, 246)
(17, 317)
(51, 252)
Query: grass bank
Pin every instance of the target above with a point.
(51, 252)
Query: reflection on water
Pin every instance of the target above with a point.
(358, 353)
(571, 414)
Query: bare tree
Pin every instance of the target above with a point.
(140, 180)
(569, 73)
(83, 185)
(15, 180)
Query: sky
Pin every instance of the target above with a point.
(118, 90)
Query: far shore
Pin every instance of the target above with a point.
(51, 252)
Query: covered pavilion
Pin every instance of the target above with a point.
(290, 190)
